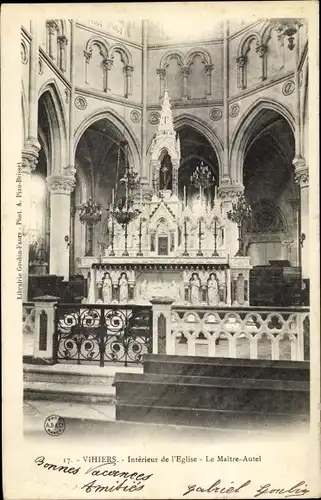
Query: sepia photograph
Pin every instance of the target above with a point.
(162, 235)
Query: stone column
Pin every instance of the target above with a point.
(88, 56)
(107, 67)
(162, 75)
(302, 178)
(29, 156)
(144, 173)
(44, 326)
(52, 27)
(225, 175)
(185, 73)
(162, 325)
(262, 50)
(62, 43)
(128, 80)
(175, 165)
(29, 161)
(208, 71)
(60, 189)
(241, 71)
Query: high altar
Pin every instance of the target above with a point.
(178, 246)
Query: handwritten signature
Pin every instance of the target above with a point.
(299, 489)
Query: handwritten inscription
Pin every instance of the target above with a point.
(102, 477)
(125, 481)
(218, 487)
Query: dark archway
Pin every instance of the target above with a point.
(195, 149)
(100, 166)
(271, 191)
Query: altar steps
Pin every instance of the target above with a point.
(227, 367)
(214, 392)
(71, 383)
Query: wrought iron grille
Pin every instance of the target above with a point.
(102, 333)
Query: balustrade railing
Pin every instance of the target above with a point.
(28, 318)
(102, 333)
(256, 333)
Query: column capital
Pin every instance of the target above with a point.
(241, 61)
(87, 55)
(52, 25)
(161, 72)
(209, 68)
(261, 49)
(108, 63)
(129, 69)
(62, 40)
(301, 171)
(228, 192)
(61, 184)
(30, 155)
(185, 70)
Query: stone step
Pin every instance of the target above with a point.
(199, 417)
(75, 374)
(227, 367)
(85, 393)
(251, 395)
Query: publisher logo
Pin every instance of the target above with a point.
(54, 425)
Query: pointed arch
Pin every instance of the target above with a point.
(122, 128)
(243, 133)
(56, 115)
(203, 128)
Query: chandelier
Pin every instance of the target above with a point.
(287, 28)
(123, 211)
(202, 177)
(90, 212)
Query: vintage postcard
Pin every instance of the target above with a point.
(160, 264)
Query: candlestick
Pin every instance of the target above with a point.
(140, 253)
(141, 197)
(113, 197)
(215, 253)
(200, 194)
(185, 254)
(112, 253)
(215, 192)
(199, 253)
(184, 196)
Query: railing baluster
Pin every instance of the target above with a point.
(270, 322)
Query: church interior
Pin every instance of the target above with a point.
(125, 114)
(168, 178)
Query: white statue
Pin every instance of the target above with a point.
(123, 288)
(174, 289)
(213, 295)
(195, 285)
(144, 290)
(107, 289)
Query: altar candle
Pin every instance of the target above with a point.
(184, 196)
(215, 192)
(200, 194)
(141, 197)
(113, 197)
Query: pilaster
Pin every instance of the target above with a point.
(60, 189)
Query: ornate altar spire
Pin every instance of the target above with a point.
(166, 141)
(166, 125)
